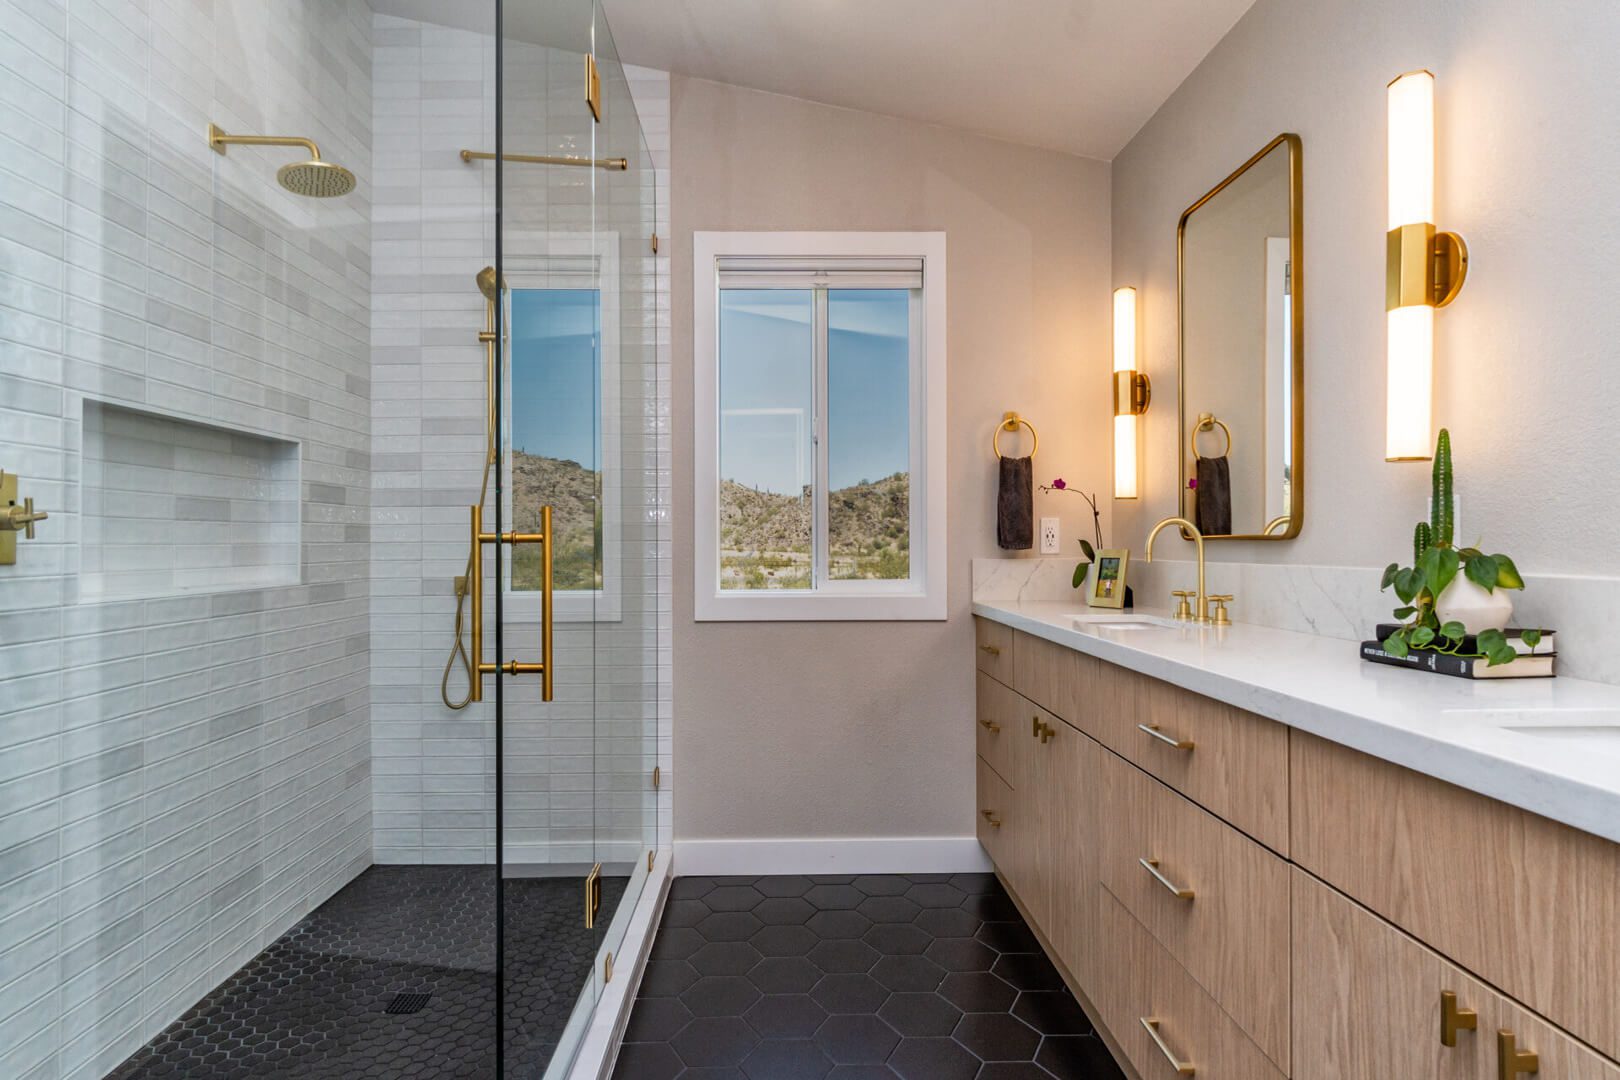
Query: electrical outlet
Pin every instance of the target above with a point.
(1049, 536)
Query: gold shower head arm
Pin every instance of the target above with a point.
(616, 164)
(218, 139)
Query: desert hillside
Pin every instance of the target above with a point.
(765, 537)
(570, 488)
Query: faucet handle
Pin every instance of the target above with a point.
(1221, 618)
(1184, 609)
(23, 517)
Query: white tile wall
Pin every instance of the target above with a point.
(577, 769)
(181, 776)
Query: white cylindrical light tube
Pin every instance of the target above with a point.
(1409, 384)
(1125, 465)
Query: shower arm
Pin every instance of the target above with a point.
(218, 140)
(615, 164)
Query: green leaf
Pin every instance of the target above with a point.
(1454, 631)
(1531, 638)
(1499, 656)
(1507, 575)
(1481, 570)
(1407, 583)
(1404, 612)
(1080, 573)
(1439, 567)
(1422, 636)
(1091, 554)
(1396, 646)
(1492, 639)
(1389, 576)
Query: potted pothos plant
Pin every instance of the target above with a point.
(1083, 567)
(1450, 593)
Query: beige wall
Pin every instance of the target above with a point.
(1526, 103)
(788, 730)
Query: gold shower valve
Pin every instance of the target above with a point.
(14, 518)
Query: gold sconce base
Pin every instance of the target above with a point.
(1132, 392)
(1423, 266)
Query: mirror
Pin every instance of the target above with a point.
(1238, 256)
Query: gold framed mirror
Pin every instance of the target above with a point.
(1241, 312)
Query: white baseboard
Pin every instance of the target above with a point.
(836, 855)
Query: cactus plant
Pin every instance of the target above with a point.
(1442, 502)
(1421, 538)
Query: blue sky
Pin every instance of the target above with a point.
(554, 378)
(766, 394)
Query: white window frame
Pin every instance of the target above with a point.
(555, 260)
(922, 597)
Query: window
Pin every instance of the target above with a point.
(820, 391)
(561, 400)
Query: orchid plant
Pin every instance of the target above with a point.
(1084, 566)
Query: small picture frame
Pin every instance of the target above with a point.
(1105, 585)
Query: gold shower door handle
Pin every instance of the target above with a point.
(475, 593)
(593, 896)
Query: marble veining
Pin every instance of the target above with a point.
(1452, 729)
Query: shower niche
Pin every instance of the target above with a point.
(172, 506)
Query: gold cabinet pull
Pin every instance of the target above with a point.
(1510, 1060)
(1152, 867)
(991, 726)
(1168, 740)
(1048, 733)
(593, 895)
(1454, 1018)
(991, 649)
(1183, 1068)
(990, 816)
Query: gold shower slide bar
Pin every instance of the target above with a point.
(616, 164)
(475, 591)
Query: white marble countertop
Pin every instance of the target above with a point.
(1452, 729)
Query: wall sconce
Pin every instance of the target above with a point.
(1132, 391)
(1425, 270)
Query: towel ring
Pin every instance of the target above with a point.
(1207, 422)
(1011, 422)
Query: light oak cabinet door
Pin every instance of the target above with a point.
(993, 723)
(1059, 679)
(995, 818)
(1366, 996)
(1070, 847)
(1035, 734)
(1504, 1030)
(1215, 899)
(993, 649)
(1529, 905)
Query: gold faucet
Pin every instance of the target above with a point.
(1200, 612)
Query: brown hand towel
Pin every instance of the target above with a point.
(1214, 502)
(1015, 504)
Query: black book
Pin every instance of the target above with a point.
(1470, 644)
(1539, 666)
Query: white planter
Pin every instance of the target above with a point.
(1467, 603)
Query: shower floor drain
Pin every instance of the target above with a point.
(407, 1003)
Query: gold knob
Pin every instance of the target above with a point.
(991, 649)
(1047, 733)
(990, 726)
(1454, 1018)
(23, 517)
(1221, 618)
(1183, 609)
(1510, 1060)
(990, 816)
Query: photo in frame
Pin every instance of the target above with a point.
(1105, 586)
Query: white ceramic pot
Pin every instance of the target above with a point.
(1474, 607)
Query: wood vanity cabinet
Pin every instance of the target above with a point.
(1258, 903)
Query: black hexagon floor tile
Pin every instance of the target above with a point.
(873, 977)
(316, 1002)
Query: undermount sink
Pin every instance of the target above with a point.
(1596, 730)
(1096, 620)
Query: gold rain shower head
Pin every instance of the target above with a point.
(315, 178)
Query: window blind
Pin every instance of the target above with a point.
(855, 272)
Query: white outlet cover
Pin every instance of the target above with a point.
(1049, 536)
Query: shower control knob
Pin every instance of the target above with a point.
(23, 518)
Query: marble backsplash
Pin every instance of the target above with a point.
(1332, 601)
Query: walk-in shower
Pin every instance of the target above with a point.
(290, 437)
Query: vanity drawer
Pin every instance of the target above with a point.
(993, 649)
(1527, 904)
(1213, 898)
(1478, 1053)
(995, 723)
(1059, 679)
(1147, 988)
(995, 807)
(1232, 762)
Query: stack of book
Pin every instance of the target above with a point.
(1529, 664)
